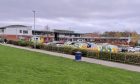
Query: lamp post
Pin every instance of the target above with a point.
(34, 12)
(3, 37)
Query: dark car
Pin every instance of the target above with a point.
(123, 49)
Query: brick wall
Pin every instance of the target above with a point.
(16, 37)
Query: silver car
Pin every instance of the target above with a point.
(131, 49)
(137, 48)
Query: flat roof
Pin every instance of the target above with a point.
(43, 31)
(63, 31)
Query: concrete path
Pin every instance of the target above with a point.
(90, 60)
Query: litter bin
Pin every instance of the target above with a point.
(78, 56)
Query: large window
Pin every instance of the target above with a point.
(1, 30)
(20, 31)
(25, 32)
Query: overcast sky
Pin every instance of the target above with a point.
(78, 15)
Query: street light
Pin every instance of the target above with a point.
(34, 29)
(3, 37)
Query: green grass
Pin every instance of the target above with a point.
(23, 67)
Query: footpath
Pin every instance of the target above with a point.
(90, 60)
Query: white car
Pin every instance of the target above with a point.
(131, 49)
(137, 48)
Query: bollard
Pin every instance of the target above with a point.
(78, 56)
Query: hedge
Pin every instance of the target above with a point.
(116, 57)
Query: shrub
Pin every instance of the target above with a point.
(22, 43)
(68, 50)
(29, 43)
(61, 49)
(118, 57)
(38, 46)
(84, 52)
(92, 54)
(48, 48)
(15, 42)
(132, 58)
(9, 42)
(105, 55)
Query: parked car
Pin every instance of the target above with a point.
(120, 49)
(131, 49)
(137, 48)
(123, 49)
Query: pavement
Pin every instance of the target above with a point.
(90, 60)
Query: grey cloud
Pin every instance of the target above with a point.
(95, 15)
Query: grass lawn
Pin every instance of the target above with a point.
(24, 67)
